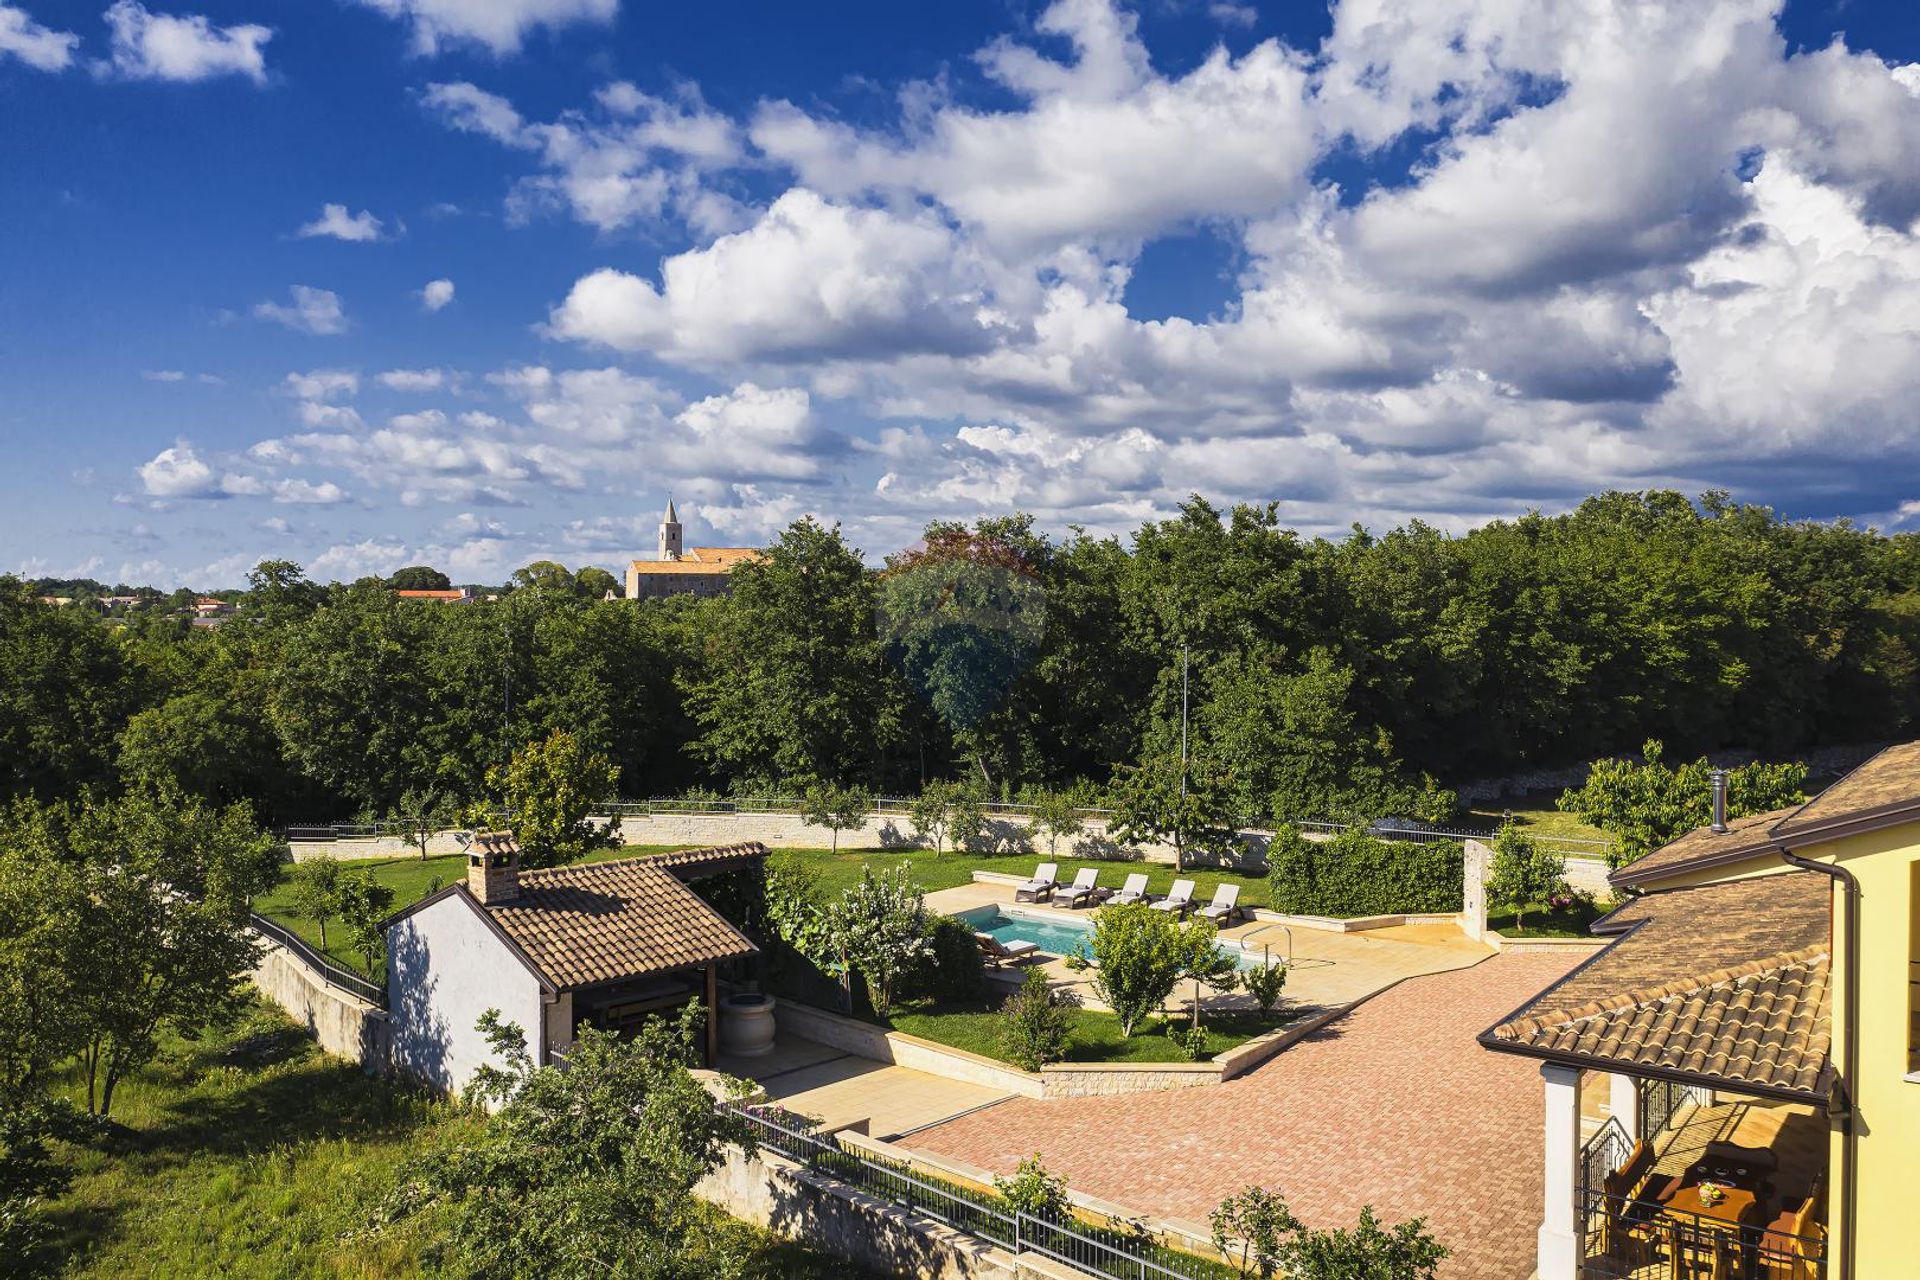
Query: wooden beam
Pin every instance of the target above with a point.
(713, 1013)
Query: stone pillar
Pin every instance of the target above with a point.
(1560, 1225)
(1476, 860)
(1623, 1103)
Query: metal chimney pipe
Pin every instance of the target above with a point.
(1718, 779)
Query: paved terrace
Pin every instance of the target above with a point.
(1394, 1104)
(1327, 968)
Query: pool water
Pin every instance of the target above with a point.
(1057, 937)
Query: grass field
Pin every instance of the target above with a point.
(252, 1154)
(1568, 922)
(1536, 814)
(1093, 1036)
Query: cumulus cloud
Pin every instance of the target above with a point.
(810, 278)
(415, 379)
(499, 25)
(39, 47)
(1471, 257)
(308, 310)
(633, 158)
(336, 223)
(436, 294)
(178, 471)
(155, 46)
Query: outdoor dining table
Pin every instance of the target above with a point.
(1686, 1217)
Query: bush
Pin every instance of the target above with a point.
(1524, 872)
(1032, 1190)
(951, 968)
(1033, 1029)
(1194, 1041)
(1264, 983)
(1357, 875)
(1143, 954)
(1644, 804)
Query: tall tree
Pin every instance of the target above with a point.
(551, 794)
(792, 686)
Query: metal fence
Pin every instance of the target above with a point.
(1121, 1252)
(1625, 1237)
(373, 993)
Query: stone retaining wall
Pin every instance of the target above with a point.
(771, 1191)
(868, 1041)
(342, 1023)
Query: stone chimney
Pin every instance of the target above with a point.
(493, 867)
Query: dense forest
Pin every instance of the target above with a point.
(1323, 676)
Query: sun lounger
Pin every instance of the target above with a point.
(1084, 889)
(1225, 905)
(1180, 901)
(999, 954)
(1134, 890)
(1046, 877)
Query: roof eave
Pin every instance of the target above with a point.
(1816, 1094)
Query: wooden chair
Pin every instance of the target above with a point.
(1796, 1239)
(1623, 1234)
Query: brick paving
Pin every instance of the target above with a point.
(1393, 1105)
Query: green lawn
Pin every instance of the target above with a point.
(1536, 814)
(253, 1154)
(1094, 1036)
(1567, 922)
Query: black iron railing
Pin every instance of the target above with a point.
(1118, 1251)
(1627, 1237)
(334, 976)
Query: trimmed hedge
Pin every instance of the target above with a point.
(1356, 875)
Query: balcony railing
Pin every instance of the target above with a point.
(1638, 1238)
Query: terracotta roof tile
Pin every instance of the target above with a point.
(700, 560)
(1728, 981)
(606, 921)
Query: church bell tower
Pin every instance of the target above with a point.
(670, 534)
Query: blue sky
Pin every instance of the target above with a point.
(1378, 260)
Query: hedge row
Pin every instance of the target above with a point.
(1356, 875)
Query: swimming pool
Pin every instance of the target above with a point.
(1057, 935)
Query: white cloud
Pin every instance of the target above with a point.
(436, 294)
(347, 561)
(176, 472)
(315, 311)
(154, 46)
(1102, 148)
(163, 375)
(306, 493)
(322, 384)
(179, 472)
(336, 223)
(810, 279)
(637, 159)
(500, 25)
(37, 46)
(415, 379)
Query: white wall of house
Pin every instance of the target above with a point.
(446, 967)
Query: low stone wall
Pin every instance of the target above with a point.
(1590, 874)
(787, 831)
(771, 1191)
(341, 1022)
(853, 1036)
(1574, 946)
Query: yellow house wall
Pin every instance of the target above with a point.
(1887, 1156)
